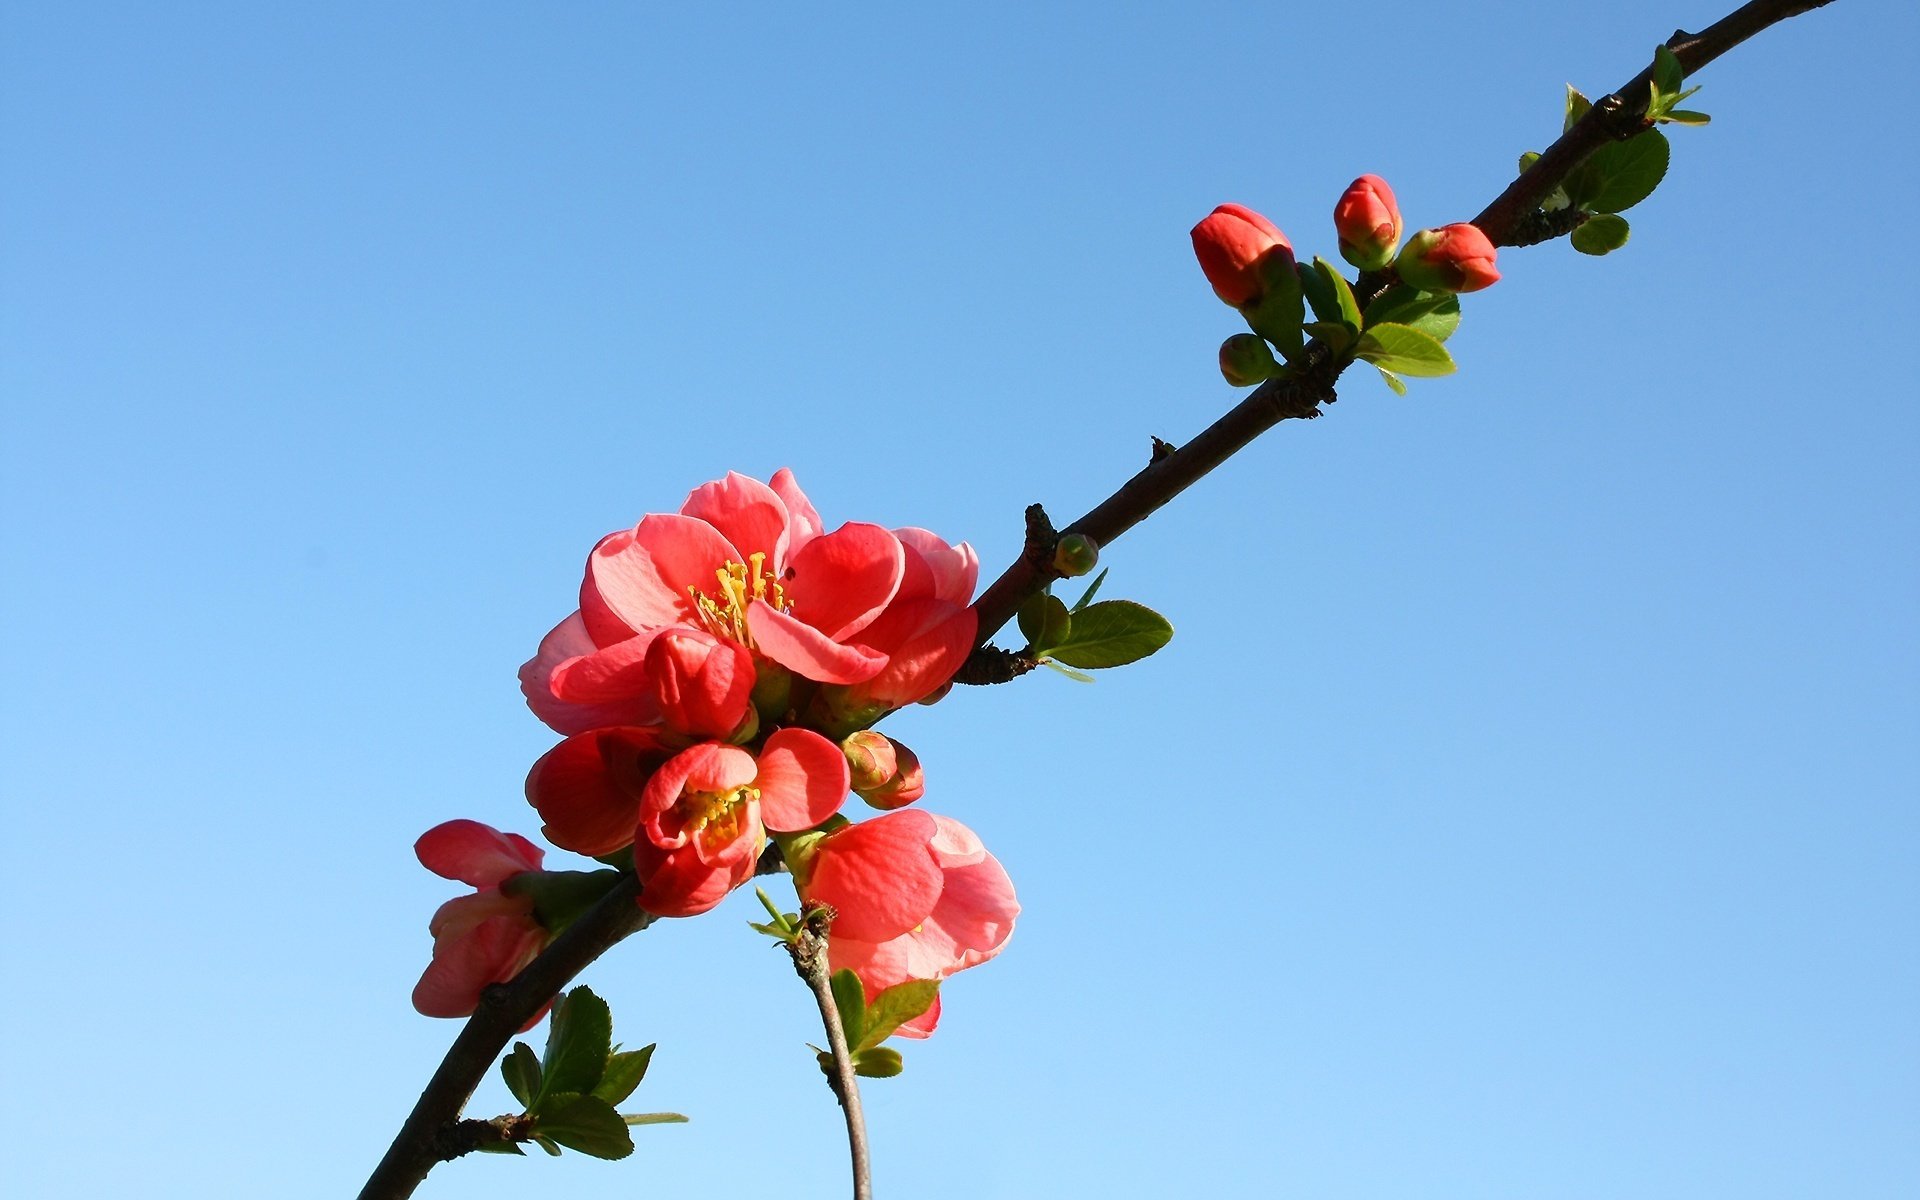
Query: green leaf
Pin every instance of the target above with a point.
(1320, 297)
(1113, 633)
(1086, 597)
(1527, 160)
(1404, 350)
(547, 1145)
(502, 1148)
(1338, 335)
(521, 1069)
(1577, 106)
(1044, 621)
(1069, 672)
(1602, 234)
(1667, 71)
(881, 1062)
(587, 1124)
(1347, 308)
(851, 999)
(1393, 381)
(653, 1118)
(894, 1007)
(1625, 173)
(579, 1038)
(623, 1074)
(1685, 116)
(1276, 316)
(1436, 314)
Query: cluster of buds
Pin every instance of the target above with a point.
(717, 688)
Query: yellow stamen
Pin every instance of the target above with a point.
(738, 586)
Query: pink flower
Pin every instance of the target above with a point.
(697, 819)
(1236, 246)
(1368, 222)
(745, 563)
(1453, 258)
(916, 895)
(485, 938)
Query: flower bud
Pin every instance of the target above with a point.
(1245, 359)
(1236, 246)
(871, 761)
(1075, 554)
(1368, 222)
(1453, 258)
(907, 783)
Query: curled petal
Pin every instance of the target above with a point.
(747, 513)
(567, 641)
(709, 768)
(476, 854)
(806, 651)
(803, 780)
(878, 875)
(608, 677)
(937, 569)
(803, 522)
(925, 642)
(681, 883)
(839, 582)
(641, 579)
(494, 951)
(700, 684)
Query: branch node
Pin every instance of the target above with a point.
(991, 664)
(1162, 449)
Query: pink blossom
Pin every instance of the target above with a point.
(484, 938)
(916, 895)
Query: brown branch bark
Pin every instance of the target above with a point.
(1507, 220)
(809, 952)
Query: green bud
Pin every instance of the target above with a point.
(1075, 555)
(1246, 359)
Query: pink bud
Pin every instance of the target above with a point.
(907, 783)
(1236, 246)
(871, 761)
(1368, 222)
(1453, 258)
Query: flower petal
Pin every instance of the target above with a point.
(803, 522)
(641, 579)
(569, 640)
(806, 651)
(747, 513)
(878, 875)
(937, 569)
(708, 767)
(610, 676)
(493, 952)
(803, 780)
(587, 788)
(476, 854)
(925, 642)
(839, 582)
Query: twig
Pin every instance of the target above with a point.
(1508, 217)
(809, 950)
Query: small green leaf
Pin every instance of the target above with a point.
(623, 1074)
(894, 1007)
(521, 1069)
(502, 1148)
(1685, 116)
(579, 1038)
(1113, 633)
(851, 999)
(653, 1118)
(1393, 381)
(881, 1062)
(1320, 297)
(1668, 74)
(1527, 160)
(1337, 335)
(1069, 672)
(1577, 106)
(547, 1145)
(1044, 621)
(587, 1124)
(1404, 350)
(1086, 597)
(1625, 173)
(1348, 307)
(1436, 314)
(1602, 234)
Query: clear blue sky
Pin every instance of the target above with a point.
(1526, 807)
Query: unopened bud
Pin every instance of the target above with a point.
(1245, 359)
(1368, 222)
(907, 784)
(1453, 258)
(1235, 245)
(1075, 554)
(871, 761)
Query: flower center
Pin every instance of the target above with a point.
(740, 584)
(716, 819)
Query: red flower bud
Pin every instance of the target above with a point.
(871, 761)
(906, 784)
(1453, 258)
(1236, 246)
(1368, 222)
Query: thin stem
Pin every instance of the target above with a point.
(1169, 474)
(809, 950)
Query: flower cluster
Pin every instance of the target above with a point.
(717, 687)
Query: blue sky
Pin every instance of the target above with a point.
(1526, 806)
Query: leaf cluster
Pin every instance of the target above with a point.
(1090, 636)
(867, 1024)
(571, 1092)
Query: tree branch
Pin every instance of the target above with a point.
(1509, 219)
(809, 950)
